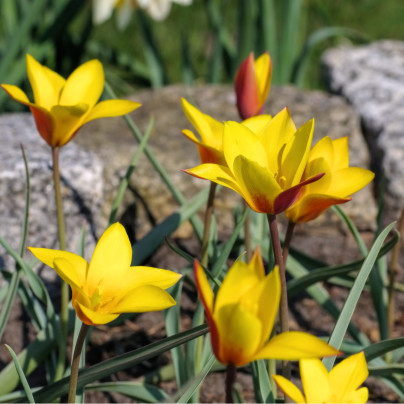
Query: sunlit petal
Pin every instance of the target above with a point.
(295, 345)
(16, 93)
(239, 332)
(263, 71)
(111, 258)
(315, 381)
(46, 84)
(94, 317)
(110, 108)
(289, 389)
(72, 267)
(347, 181)
(141, 276)
(341, 153)
(84, 85)
(144, 298)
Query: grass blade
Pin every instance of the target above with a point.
(118, 363)
(341, 326)
(20, 372)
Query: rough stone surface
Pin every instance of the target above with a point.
(82, 189)
(372, 79)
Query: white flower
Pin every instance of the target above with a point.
(157, 9)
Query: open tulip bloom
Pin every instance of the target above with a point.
(264, 165)
(252, 83)
(242, 316)
(62, 106)
(341, 385)
(109, 286)
(330, 157)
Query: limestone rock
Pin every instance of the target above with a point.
(371, 78)
(82, 189)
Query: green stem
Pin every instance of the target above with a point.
(64, 289)
(231, 375)
(393, 270)
(288, 241)
(208, 220)
(76, 363)
(283, 307)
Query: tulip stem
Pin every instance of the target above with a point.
(231, 375)
(64, 289)
(288, 241)
(208, 220)
(74, 373)
(283, 307)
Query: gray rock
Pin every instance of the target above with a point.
(372, 79)
(82, 189)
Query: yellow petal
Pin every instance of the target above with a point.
(16, 93)
(359, 396)
(239, 141)
(257, 184)
(84, 85)
(316, 385)
(239, 333)
(68, 120)
(295, 345)
(46, 84)
(111, 259)
(289, 389)
(92, 317)
(142, 276)
(278, 132)
(257, 124)
(317, 166)
(144, 298)
(110, 108)
(69, 273)
(295, 155)
(204, 289)
(263, 72)
(210, 130)
(323, 149)
(238, 281)
(76, 274)
(216, 173)
(341, 153)
(348, 375)
(347, 181)
(268, 298)
(311, 206)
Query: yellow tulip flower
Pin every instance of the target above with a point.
(252, 83)
(341, 385)
(62, 106)
(109, 286)
(264, 164)
(242, 316)
(330, 157)
(210, 145)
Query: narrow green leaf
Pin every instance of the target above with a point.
(123, 185)
(185, 393)
(262, 385)
(152, 240)
(172, 320)
(386, 371)
(298, 285)
(380, 348)
(21, 375)
(178, 196)
(341, 326)
(144, 393)
(118, 363)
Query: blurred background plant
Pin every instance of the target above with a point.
(203, 42)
